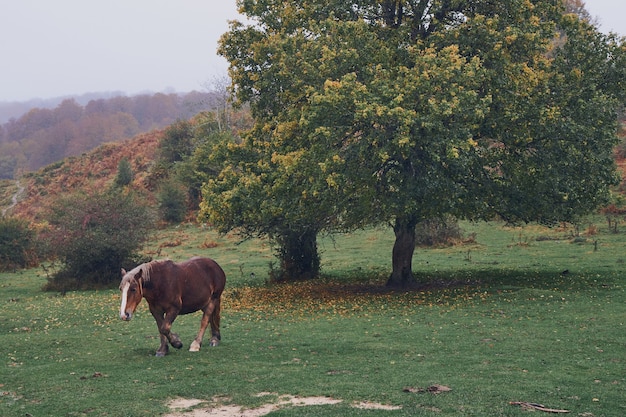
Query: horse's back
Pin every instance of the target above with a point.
(202, 279)
(205, 270)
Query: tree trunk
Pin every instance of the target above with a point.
(402, 255)
(298, 255)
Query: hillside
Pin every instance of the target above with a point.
(95, 170)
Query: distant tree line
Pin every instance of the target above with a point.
(43, 136)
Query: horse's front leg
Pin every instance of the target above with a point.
(166, 329)
(164, 321)
(159, 317)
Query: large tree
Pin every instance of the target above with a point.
(396, 111)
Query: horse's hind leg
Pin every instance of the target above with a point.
(197, 342)
(210, 313)
(214, 320)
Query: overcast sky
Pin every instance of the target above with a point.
(52, 48)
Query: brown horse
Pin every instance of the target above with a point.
(172, 289)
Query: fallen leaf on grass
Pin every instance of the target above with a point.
(534, 406)
(433, 389)
(95, 375)
(338, 372)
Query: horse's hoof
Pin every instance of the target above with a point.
(214, 342)
(177, 344)
(195, 347)
(160, 354)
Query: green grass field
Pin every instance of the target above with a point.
(521, 314)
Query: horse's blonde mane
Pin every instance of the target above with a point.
(146, 269)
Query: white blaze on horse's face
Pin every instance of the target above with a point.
(123, 314)
(131, 295)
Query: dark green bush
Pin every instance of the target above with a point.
(95, 235)
(172, 198)
(124, 173)
(16, 243)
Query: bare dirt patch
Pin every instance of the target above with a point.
(182, 407)
(183, 403)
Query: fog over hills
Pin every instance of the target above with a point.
(39, 132)
(14, 109)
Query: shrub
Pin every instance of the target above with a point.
(176, 145)
(438, 232)
(16, 243)
(177, 142)
(172, 201)
(124, 173)
(96, 235)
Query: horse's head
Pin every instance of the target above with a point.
(132, 291)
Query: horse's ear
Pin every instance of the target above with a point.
(123, 272)
(139, 274)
